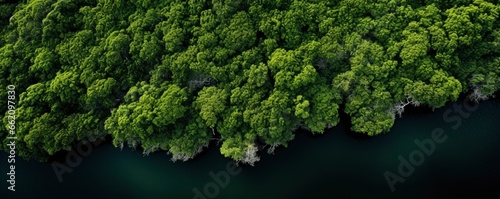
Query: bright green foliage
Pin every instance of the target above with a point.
(101, 92)
(211, 102)
(65, 86)
(173, 75)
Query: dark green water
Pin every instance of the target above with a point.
(338, 164)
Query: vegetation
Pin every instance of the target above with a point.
(173, 75)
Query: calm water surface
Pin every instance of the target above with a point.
(338, 164)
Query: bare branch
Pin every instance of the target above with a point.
(477, 94)
(200, 80)
(250, 156)
(399, 107)
(271, 148)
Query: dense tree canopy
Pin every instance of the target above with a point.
(174, 75)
